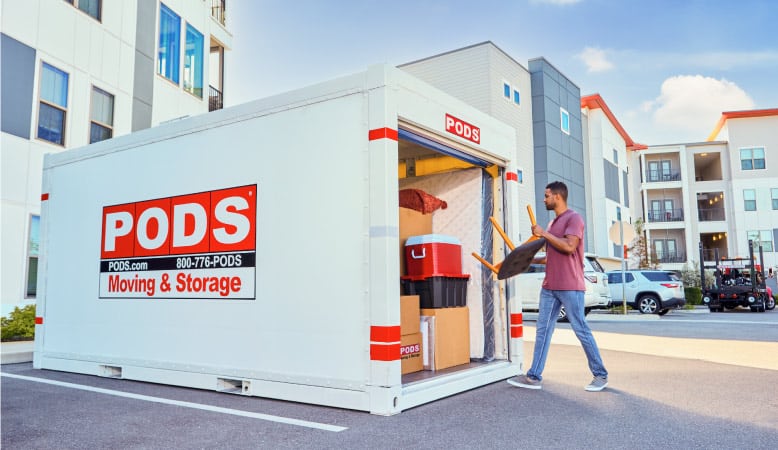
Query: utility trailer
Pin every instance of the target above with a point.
(739, 282)
(255, 250)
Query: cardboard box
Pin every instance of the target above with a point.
(409, 314)
(412, 223)
(411, 353)
(449, 335)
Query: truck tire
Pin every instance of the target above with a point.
(648, 304)
(770, 303)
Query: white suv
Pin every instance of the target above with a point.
(530, 282)
(649, 291)
(594, 272)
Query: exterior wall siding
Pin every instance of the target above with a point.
(116, 55)
(558, 155)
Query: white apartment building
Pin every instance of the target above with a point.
(76, 72)
(721, 193)
(607, 172)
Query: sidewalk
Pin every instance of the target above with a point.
(16, 352)
(760, 355)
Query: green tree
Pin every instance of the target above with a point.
(19, 325)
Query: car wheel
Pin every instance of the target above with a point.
(663, 312)
(562, 315)
(648, 304)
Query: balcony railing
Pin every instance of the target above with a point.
(218, 9)
(711, 215)
(655, 176)
(665, 215)
(215, 100)
(670, 257)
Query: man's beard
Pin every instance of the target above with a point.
(549, 207)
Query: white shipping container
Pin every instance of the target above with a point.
(255, 249)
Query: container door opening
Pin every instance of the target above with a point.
(464, 190)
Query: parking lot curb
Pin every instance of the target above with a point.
(16, 352)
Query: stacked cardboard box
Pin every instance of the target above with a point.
(410, 340)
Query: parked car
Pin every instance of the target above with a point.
(648, 291)
(594, 272)
(530, 282)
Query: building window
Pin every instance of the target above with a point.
(565, 120)
(506, 90)
(101, 127)
(752, 158)
(169, 43)
(520, 176)
(749, 199)
(91, 7)
(516, 97)
(774, 194)
(53, 104)
(32, 257)
(193, 62)
(763, 238)
(615, 157)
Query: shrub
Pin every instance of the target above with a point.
(693, 295)
(19, 325)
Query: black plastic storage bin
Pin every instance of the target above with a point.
(438, 291)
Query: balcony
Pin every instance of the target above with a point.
(218, 8)
(670, 257)
(711, 215)
(215, 100)
(665, 215)
(658, 176)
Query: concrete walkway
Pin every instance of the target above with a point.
(761, 355)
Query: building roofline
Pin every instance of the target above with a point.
(744, 114)
(543, 58)
(484, 43)
(595, 101)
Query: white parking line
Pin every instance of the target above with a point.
(234, 412)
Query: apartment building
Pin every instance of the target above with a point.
(75, 72)
(606, 174)
(722, 193)
(558, 137)
(540, 102)
(487, 78)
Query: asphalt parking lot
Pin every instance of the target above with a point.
(653, 401)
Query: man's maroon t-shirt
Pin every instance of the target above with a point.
(565, 272)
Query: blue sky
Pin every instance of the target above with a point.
(666, 68)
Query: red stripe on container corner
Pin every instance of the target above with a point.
(44, 197)
(517, 331)
(382, 133)
(512, 176)
(39, 321)
(517, 319)
(379, 352)
(385, 334)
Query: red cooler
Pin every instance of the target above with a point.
(432, 255)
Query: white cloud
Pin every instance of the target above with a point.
(595, 59)
(694, 103)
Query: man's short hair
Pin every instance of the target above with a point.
(557, 187)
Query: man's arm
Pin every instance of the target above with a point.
(566, 244)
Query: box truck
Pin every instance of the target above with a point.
(254, 250)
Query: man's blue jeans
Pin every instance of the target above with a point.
(548, 311)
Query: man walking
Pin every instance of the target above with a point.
(562, 286)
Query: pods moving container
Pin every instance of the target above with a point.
(254, 249)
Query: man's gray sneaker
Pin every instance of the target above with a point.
(597, 384)
(525, 382)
